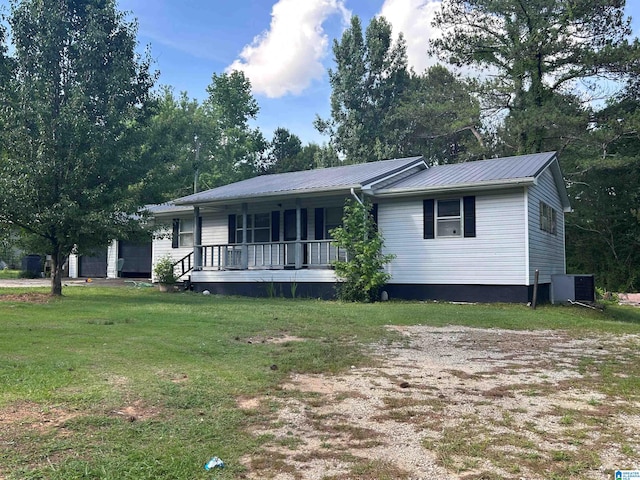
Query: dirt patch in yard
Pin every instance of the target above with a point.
(29, 297)
(28, 415)
(464, 403)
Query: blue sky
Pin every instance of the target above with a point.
(283, 46)
(192, 40)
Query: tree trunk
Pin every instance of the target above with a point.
(57, 262)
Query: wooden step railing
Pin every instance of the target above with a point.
(183, 266)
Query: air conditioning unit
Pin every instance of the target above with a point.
(574, 288)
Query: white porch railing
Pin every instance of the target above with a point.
(303, 254)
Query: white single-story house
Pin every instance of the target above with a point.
(475, 231)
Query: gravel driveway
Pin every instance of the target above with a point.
(459, 403)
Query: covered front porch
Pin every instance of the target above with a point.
(293, 235)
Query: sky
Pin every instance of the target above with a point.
(284, 47)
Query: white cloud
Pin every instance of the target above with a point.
(286, 58)
(413, 18)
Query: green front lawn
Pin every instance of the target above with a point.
(126, 383)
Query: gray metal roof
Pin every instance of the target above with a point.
(308, 181)
(482, 174)
(496, 171)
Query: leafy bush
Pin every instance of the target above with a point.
(606, 296)
(163, 271)
(361, 275)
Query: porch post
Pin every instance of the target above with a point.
(245, 247)
(197, 240)
(298, 251)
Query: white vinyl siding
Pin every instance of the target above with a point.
(496, 256)
(546, 250)
(73, 265)
(214, 229)
(112, 259)
(162, 241)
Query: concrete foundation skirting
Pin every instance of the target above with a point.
(453, 293)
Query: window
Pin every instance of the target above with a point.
(258, 228)
(449, 217)
(326, 219)
(182, 233)
(185, 234)
(332, 219)
(547, 218)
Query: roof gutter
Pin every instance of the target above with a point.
(400, 192)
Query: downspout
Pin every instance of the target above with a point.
(353, 193)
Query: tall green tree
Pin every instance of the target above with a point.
(240, 149)
(536, 52)
(5, 75)
(439, 117)
(179, 138)
(604, 229)
(369, 78)
(78, 96)
(286, 153)
(326, 156)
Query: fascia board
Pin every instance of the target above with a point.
(527, 181)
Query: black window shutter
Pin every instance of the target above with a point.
(176, 233)
(232, 228)
(303, 221)
(275, 226)
(469, 204)
(374, 215)
(319, 224)
(428, 218)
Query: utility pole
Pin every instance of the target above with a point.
(196, 165)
